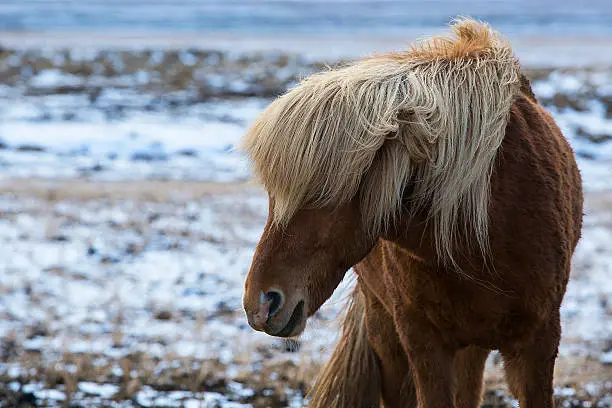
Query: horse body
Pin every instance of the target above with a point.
(441, 317)
(422, 323)
(535, 225)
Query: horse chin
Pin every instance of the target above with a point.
(296, 323)
(296, 330)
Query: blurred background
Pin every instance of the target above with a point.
(128, 221)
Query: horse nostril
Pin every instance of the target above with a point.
(276, 300)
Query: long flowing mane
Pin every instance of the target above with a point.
(430, 119)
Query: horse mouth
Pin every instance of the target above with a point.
(295, 318)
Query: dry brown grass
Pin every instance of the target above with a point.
(269, 383)
(138, 191)
(195, 375)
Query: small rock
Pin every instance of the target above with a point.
(585, 155)
(30, 148)
(152, 217)
(93, 94)
(59, 238)
(68, 116)
(593, 137)
(39, 330)
(224, 309)
(109, 260)
(155, 152)
(134, 248)
(607, 102)
(163, 315)
(188, 153)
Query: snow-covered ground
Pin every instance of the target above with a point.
(123, 136)
(137, 298)
(59, 136)
(115, 279)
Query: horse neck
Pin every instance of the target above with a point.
(414, 235)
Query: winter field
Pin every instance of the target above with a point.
(129, 220)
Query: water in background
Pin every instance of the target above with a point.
(304, 17)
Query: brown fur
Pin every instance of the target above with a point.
(429, 326)
(475, 43)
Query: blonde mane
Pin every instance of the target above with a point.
(431, 118)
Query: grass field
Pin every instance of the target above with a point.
(128, 223)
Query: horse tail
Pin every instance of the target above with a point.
(351, 378)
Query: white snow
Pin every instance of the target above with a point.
(197, 144)
(54, 78)
(606, 358)
(103, 390)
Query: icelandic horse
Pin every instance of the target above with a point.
(435, 173)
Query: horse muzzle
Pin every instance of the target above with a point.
(275, 318)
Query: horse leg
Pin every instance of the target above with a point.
(529, 367)
(430, 359)
(397, 385)
(469, 371)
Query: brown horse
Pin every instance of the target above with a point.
(436, 174)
